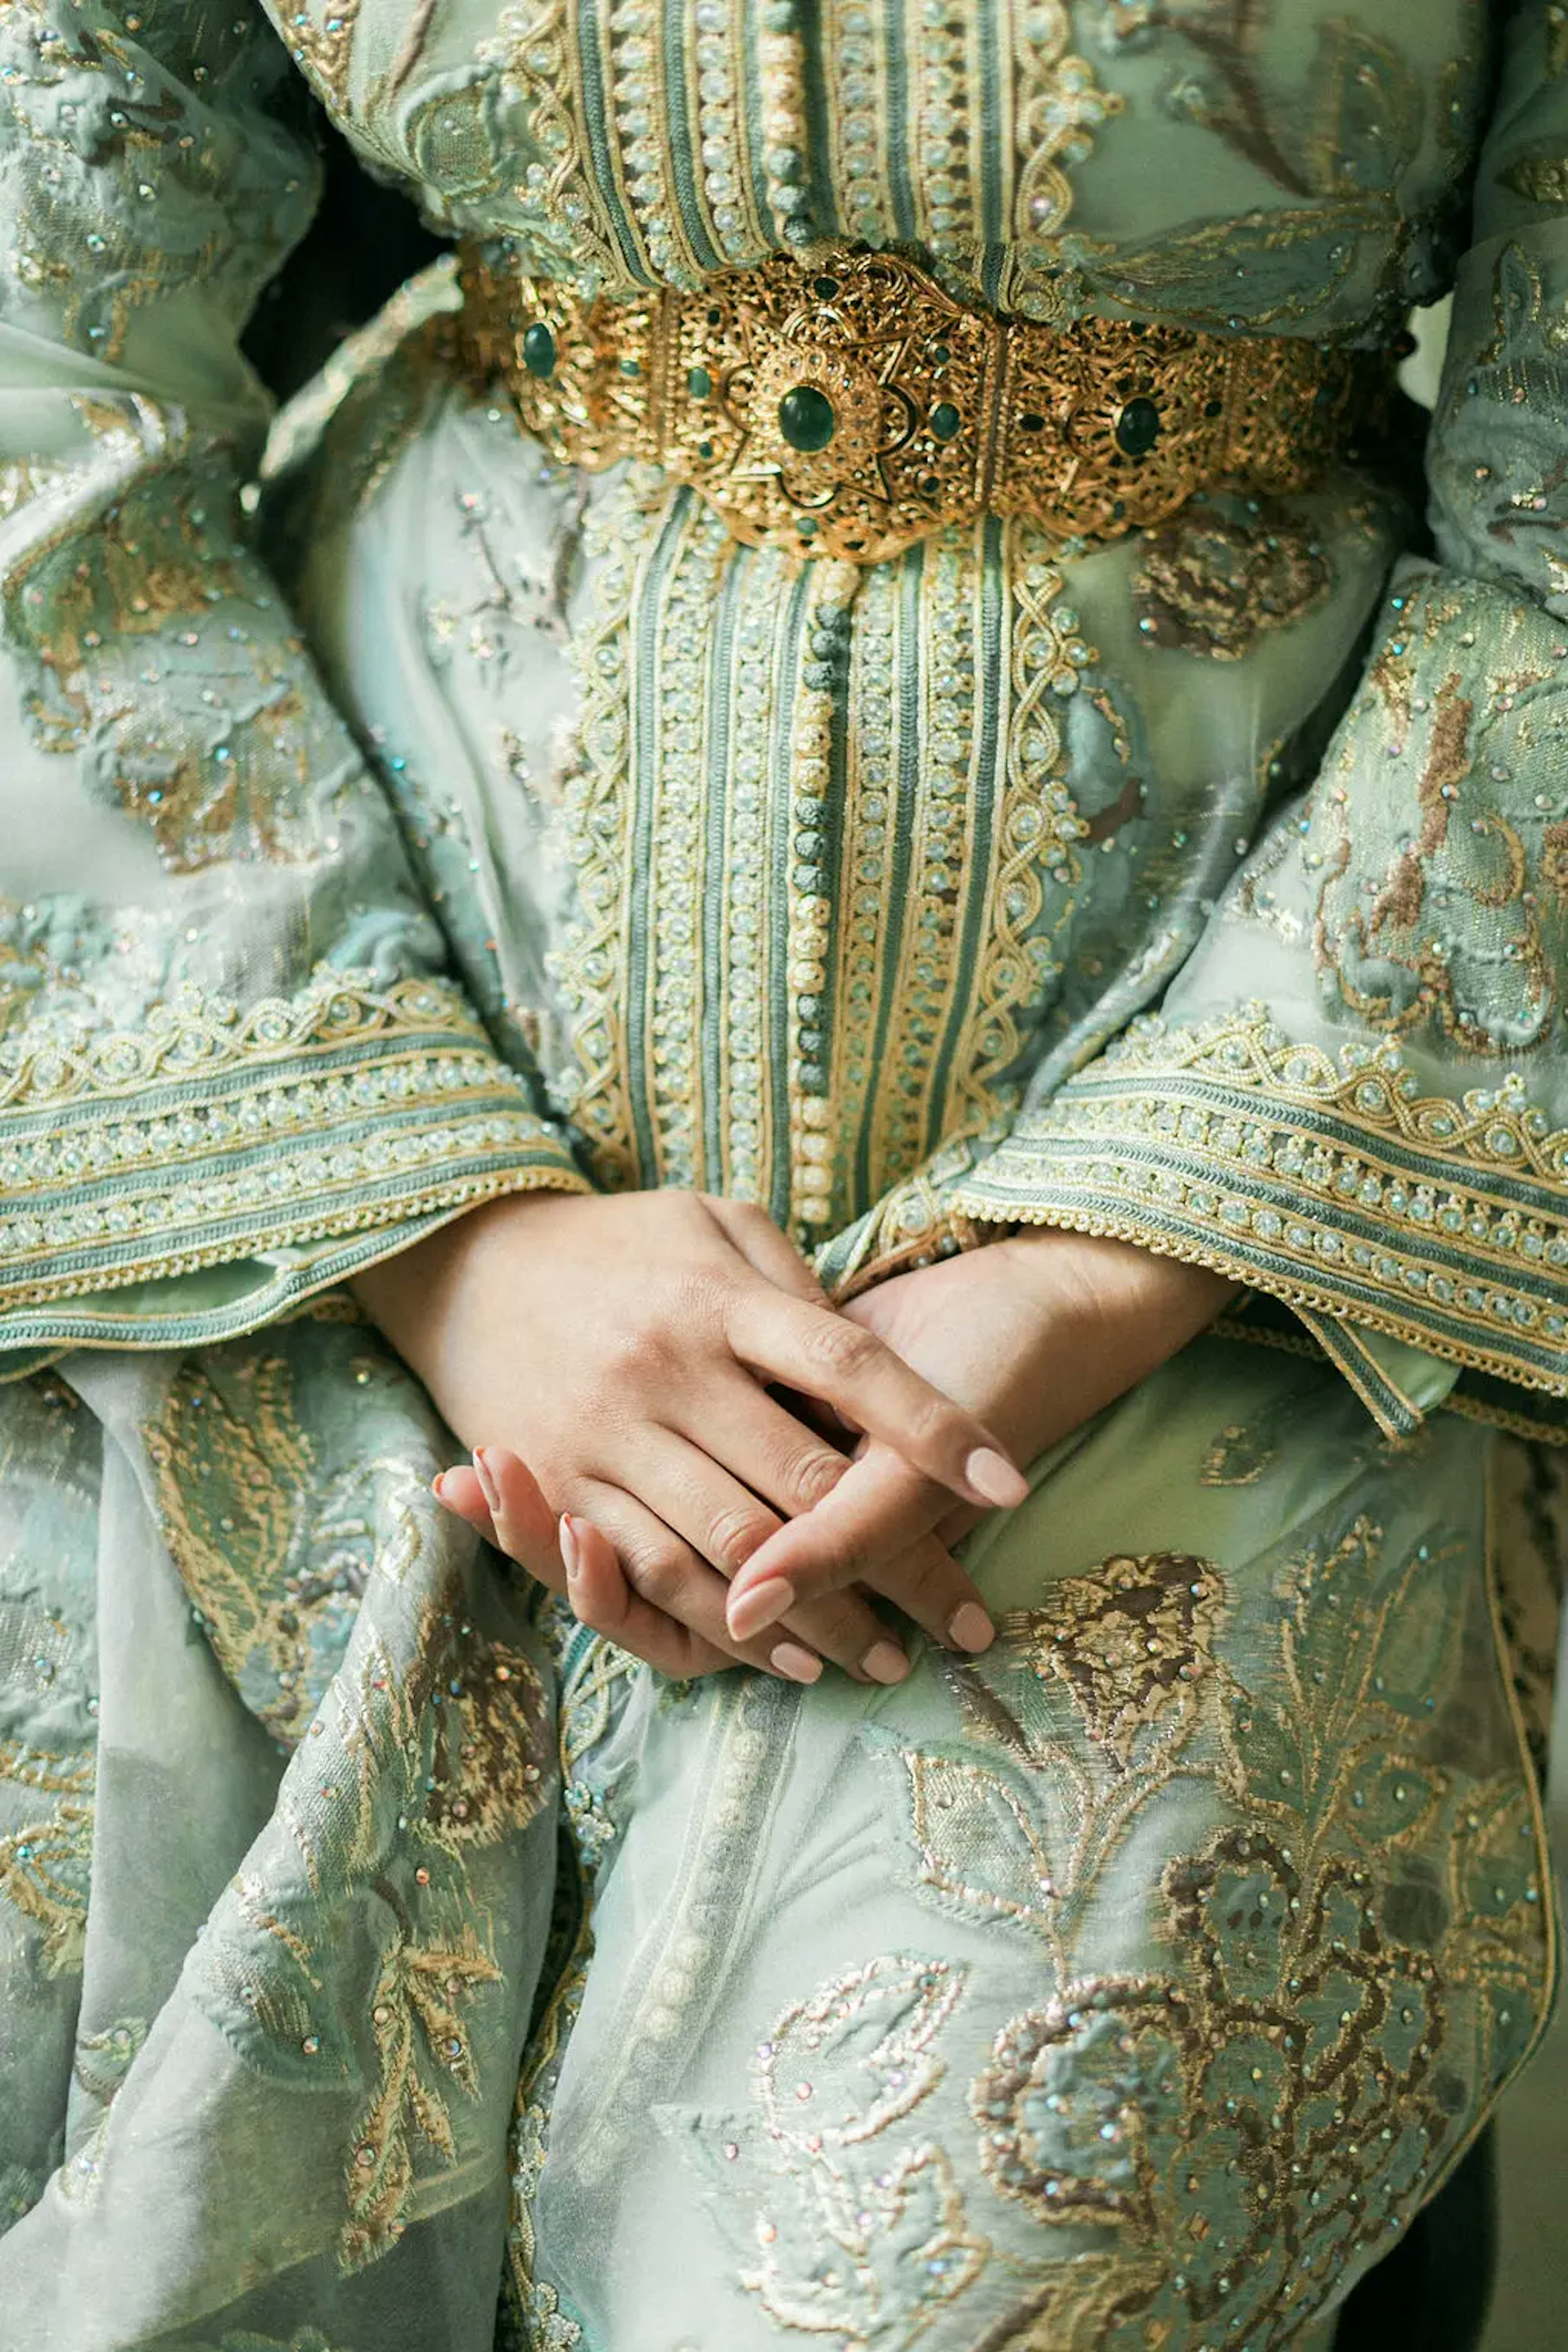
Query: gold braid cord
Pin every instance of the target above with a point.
(850, 408)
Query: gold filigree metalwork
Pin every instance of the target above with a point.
(853, 408)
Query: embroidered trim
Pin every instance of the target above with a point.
(1058, 107)
(1331, 1184)
(210, 1134)
(591, 966)
(559, 189)
(324, 53)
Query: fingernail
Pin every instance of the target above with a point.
(885, 1663)
(486, 1477)
(763, 1605)
(970, 1628)
(438, 1486)
(567, 1536)
(993, 1478)
(799, 1664)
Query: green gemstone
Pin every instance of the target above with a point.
(945, 420)
(699, 383)
(806, 418)
(1138, 428)
(539, 349)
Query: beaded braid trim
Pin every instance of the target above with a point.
(210, 1134)
(1330, 1183)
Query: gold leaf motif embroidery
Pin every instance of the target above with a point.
(275, 1566)
(45, 1864)
(1539, 179)
(419, 2040)
(1128, 1640)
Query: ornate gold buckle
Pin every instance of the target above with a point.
(852, 409)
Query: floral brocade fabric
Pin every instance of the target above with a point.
(395, 818)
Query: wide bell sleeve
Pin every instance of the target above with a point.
(1354, 1094)
(232, 1068)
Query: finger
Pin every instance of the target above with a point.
(958, 1524)
(521, 1522)
(724, 1523)
(753, 1232)
(663, 1578)
(877, 1528)
(458, 1490)
(604, 1600)
(826, 1355)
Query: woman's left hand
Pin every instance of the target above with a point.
(1035, 1334)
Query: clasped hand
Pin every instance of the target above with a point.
(616, 1363)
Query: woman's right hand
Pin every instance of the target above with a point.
(609, 1358)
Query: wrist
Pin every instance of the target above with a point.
(1111, 1280)
(414, 1277)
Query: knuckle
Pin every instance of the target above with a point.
(636, 1356)
(655, 1572)
(815, 1475)
(928, 1417)
(842, 1347)
(733, 1535)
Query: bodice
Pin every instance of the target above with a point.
(1272, 167)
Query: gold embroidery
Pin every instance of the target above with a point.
(591, 965)
(1039, 826)
(845, 2232)
(45, 1864)
(1058, 107)
(673, 776)
(323, 51)
(51, 1065)
(1125, 1639)
(1213, 586)
(1530, 1530)
(558, 186)
(240, 1167)
(417, 2029)
(1330, 1938)
(1539, 179)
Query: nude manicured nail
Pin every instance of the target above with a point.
(570, 1555)
(970, 1628)
(486, 1477)
(993, 1478)
(762, 1606)
(885, 1663)
(799, 1664)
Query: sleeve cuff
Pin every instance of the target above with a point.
(1331, 1184)
(188, 1179)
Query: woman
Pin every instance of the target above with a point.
(848, 847)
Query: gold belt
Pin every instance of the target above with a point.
(853, 408)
